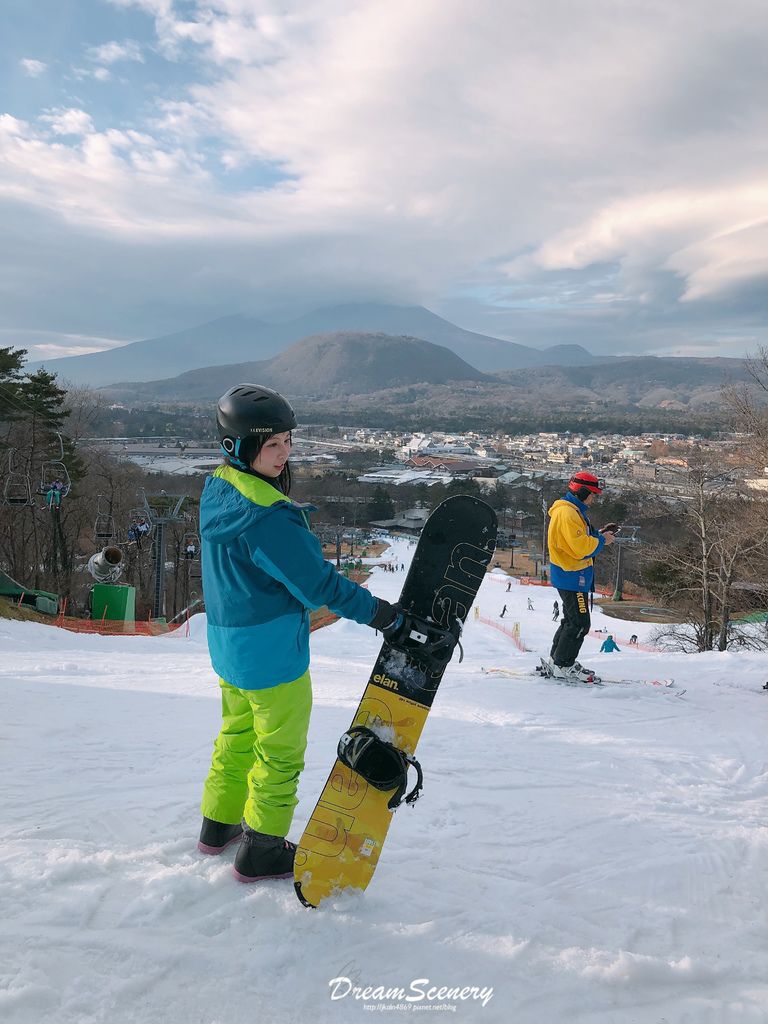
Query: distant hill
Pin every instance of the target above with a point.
(319, 367)
(659, 382)
(239, 339)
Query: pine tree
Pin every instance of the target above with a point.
(46, 413)
(380, 506)
(11, 364)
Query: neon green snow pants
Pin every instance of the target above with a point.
(259, 755)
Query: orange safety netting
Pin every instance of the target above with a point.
(513, 634)
(150, 627)
(113, 627)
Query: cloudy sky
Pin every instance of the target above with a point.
(591, 171)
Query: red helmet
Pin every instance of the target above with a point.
(588, 480)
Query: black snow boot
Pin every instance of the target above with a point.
(263, 856)
(215, 836)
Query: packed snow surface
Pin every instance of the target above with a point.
(588, 854)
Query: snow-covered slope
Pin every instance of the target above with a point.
(592, 855)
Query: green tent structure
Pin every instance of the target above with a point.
(40, 600)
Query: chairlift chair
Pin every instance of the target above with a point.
(195, 569)
(55, 471)
(191, 539)
(17, 489)
(104, 527)
(138, 517)
(17, 492)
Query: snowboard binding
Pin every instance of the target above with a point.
(425, 641)
(381, 764)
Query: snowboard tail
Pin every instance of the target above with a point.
(342, 842)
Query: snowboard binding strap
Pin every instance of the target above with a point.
(427, 642)
(381, 764)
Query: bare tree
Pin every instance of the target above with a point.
(704, 573)
(749, 402)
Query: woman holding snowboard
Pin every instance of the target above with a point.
(263, 570)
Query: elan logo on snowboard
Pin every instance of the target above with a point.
(382, 680)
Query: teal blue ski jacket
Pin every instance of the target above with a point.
(263, 570)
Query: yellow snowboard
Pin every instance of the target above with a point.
(343, 839)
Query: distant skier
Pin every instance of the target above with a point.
(530, 605)
(555, 611)
(573, 543)
(263, 570)
(503, 612)
(633, 640)
(609, 645)
(509, 586)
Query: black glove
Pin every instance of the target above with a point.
(389, 618)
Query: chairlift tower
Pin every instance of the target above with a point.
(159, 518)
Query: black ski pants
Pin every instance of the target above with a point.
(573, 627)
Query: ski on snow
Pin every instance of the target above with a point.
(539, 672)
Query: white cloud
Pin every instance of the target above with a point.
(32, 68)
(112, 52)
(68, 121)
(53, 344)
(172, 30)
(711, 238)
(101, 74)
(422, 144)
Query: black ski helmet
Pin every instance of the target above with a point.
(246, 416)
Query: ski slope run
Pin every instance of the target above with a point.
(588, 854)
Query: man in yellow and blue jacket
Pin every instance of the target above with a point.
(573, 544)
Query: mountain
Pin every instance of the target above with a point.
(231, 338)
(482, 351)
(350, 372)
(320, 367)
(238, 339)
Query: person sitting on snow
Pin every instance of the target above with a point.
(609, 645)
